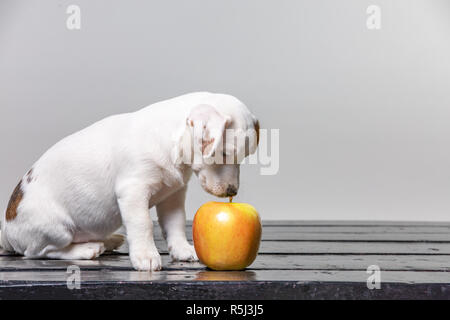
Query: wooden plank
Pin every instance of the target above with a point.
(217, 290)
(336, 247)
(345, 233)
(339, 247)
(323, 223)
(333, 247)
(353, 223)
(262, 262)
(337, 233)
(299, 276)
(356, 229)
(270, 235)
(357, 237)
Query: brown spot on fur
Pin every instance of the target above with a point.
(257, 131)
(14, 202)
(29, 175)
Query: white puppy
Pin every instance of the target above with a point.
(91, 182)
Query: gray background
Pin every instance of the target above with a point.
(363, 115)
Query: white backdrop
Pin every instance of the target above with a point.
(364, 115)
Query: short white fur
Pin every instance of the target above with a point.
(92, 182)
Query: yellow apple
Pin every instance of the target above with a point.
(226, 235)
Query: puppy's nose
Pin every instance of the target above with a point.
(231, 191)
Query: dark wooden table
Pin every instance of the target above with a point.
(297, 260)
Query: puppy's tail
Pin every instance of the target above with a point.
(1, 246)
(2, 241)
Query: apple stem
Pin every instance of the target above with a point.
(231, 199)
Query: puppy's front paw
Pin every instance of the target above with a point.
(182, 251)
(149, 260)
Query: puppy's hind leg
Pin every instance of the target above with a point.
(113, 242)
(57, 243)
(77, 251)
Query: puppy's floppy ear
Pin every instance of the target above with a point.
(256, 126)
(253, 136)
(208, 127)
